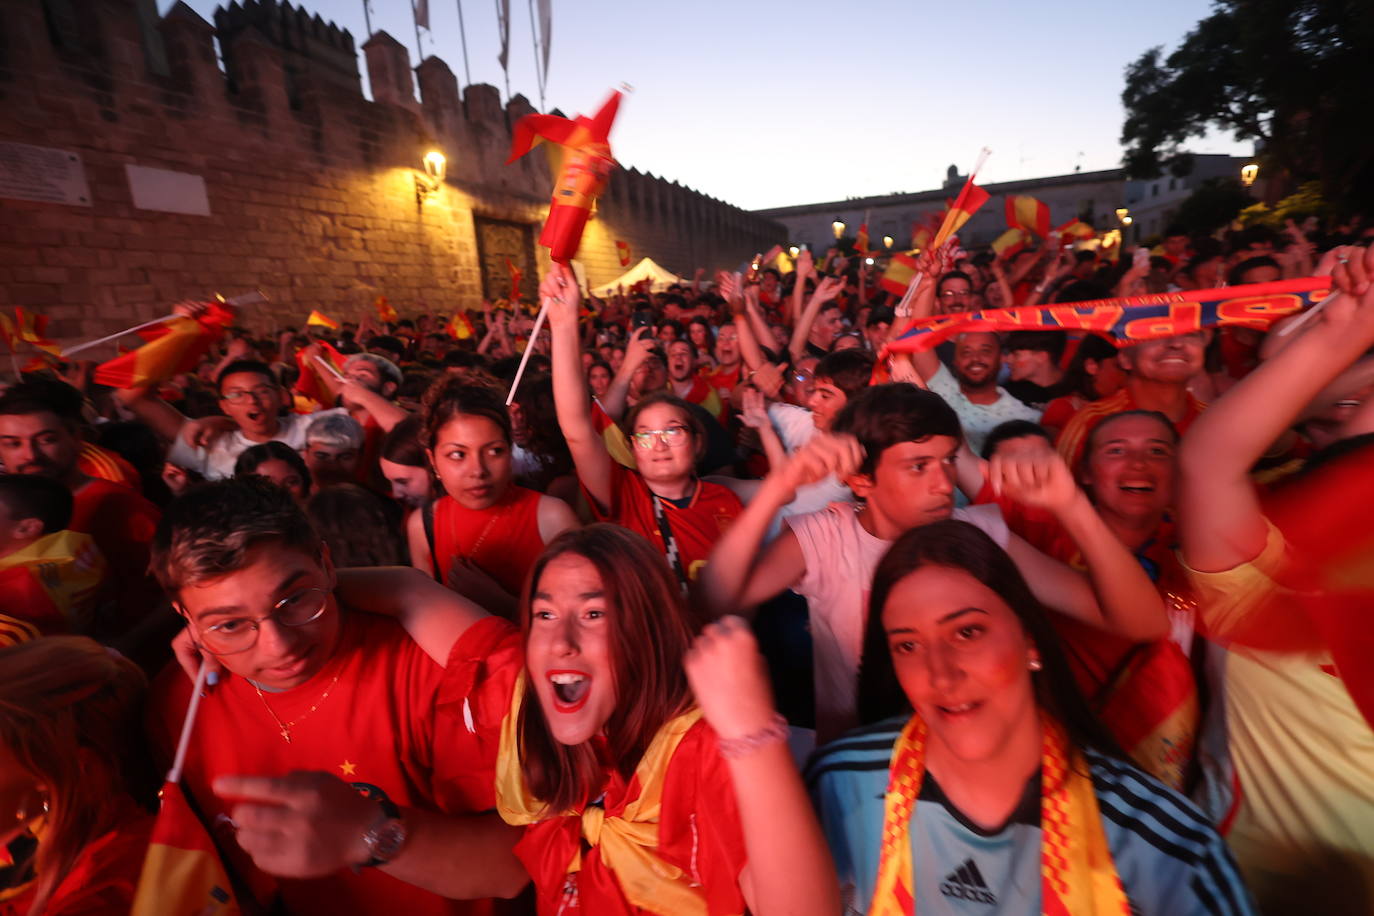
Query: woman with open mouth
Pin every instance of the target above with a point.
(637, 799)
(983, 777)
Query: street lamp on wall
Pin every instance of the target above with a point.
(887, 241)
(838, 227)
(427, 186)
(1248, 174)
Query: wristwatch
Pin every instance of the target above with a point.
(387, 835)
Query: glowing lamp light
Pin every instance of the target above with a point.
(1126, 220)
(838, 227)
(427, 186)
(1121, 213)
(1248, 174)
(887, 241)
(868, 261)
(794, 251)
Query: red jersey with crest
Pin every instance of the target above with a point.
(379, 729)
(696, 528)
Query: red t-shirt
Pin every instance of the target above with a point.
(104, 876)
(725, 381)
(503, 540)
(695, 528)
(122, 524)
(379, 729)
(698, 831)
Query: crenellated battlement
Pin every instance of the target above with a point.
(302, 172)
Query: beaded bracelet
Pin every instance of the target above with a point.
(772, 733)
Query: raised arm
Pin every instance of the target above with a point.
(637, 350)
(789, 868)
(737, 577)
(1121, 599)
(570, 396)
(827, 290)
(1220, 520)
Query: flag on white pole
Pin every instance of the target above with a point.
(503, 26)
(422, 13)
(545, 34)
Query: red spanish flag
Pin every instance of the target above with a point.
(1025, 212)
(321, 320)
(385, 311)
(460, 326)
(1075, 230)
(173, 346)
(900, 269)
(861, 239)
(182, 872)
(622, 251)
(311, 381)
(970, 198)
(52, 583)
(515, 278)
(27, 327)
(1011, 242)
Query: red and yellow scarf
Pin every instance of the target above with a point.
(628, 841)
(1078, 877)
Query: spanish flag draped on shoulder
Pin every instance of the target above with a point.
(173, 346)
(51, 584)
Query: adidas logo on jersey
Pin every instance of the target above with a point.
(966, 883)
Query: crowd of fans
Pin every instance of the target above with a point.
(729, 610)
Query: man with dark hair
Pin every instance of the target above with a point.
(252, 399)
(880, 319)
(321, 741)
(953, 293)
(684, 380)
(40, 435)
(1033, 358)
(1260, 269)
(970, 386)
(895, 445)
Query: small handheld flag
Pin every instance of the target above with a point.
(321, 320)
(622, 250)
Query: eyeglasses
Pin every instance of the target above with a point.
(239, 634)
(672, 437)
(955, 293)
(260, 393)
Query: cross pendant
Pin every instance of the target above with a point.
(286, 736)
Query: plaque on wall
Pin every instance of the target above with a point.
(44, 174)
(167, 191)
(497, 242)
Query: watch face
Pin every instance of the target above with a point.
(386, 841)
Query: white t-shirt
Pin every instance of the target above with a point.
(979, 419)
(217, 461)
(840, 559)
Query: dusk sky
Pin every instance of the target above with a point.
(770, 104)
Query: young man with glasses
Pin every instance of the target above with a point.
(252, 399)
(318, 749)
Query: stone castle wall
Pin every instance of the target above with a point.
(309, 188)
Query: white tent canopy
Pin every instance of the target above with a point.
(659, 278)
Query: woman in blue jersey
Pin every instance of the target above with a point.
(1001, 794)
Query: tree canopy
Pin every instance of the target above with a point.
(1292, 75)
